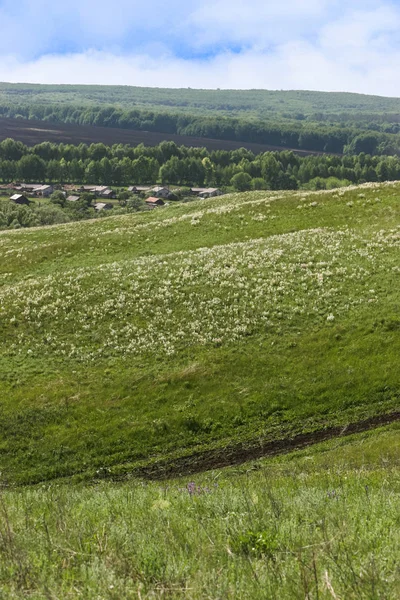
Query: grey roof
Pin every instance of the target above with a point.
(42, 188)
(31, 186)
(153, 200)
(20, 197)
(102, 205)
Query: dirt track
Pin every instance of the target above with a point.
(236, 455)
(35, 132)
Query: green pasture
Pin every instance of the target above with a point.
(137, 340)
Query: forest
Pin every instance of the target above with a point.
(300, 104)
(168, 163)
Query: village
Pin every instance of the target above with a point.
(104, 197)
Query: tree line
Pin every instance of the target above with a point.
(122, 165)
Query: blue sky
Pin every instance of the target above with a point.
(289, 44)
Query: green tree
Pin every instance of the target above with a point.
(12, 150)
(365, 142)
(209, 171)
(76, 171)
(50, 215)
(8, 170)
(58, 198)
(92, 172)
(53, 170)
(105, 171)
(382, 171)
(46, 150)
(144, 170)
(258, 183)
(64, 174)
(135, 204)
(97, 151)
(127, 170)
(241, 181)
(31, 168)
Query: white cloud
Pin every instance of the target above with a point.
(293, 44)
(296, 65)
(259, 22)
(41, 26)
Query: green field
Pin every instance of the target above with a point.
(322, 523)
(134, 344)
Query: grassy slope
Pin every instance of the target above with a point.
(258, 103)
(139, 338)
(319, 524)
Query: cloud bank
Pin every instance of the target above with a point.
(294, 44)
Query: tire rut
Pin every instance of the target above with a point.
(236, 455)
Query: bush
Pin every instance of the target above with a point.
(51, 215)
(256, 543)
(58, 198)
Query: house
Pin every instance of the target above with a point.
(73, 198)
(160, 191)
(138, 189)
(84, 188)
(36, 189)
(91, 189)
(102, 206)
(107, 193)
(44, 190)
(206, 192)
(20, 199)
(100, 191)
(28, 187)
(153, 202)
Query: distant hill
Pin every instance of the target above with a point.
(244, 103)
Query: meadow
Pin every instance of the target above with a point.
(321, 523)
(138, 344)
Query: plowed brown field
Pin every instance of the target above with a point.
(35, 132)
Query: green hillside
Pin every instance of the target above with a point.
(258, 103)
(322, 523)
(135, 343)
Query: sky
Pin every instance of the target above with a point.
(329, 45)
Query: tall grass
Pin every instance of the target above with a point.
(318, 524)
